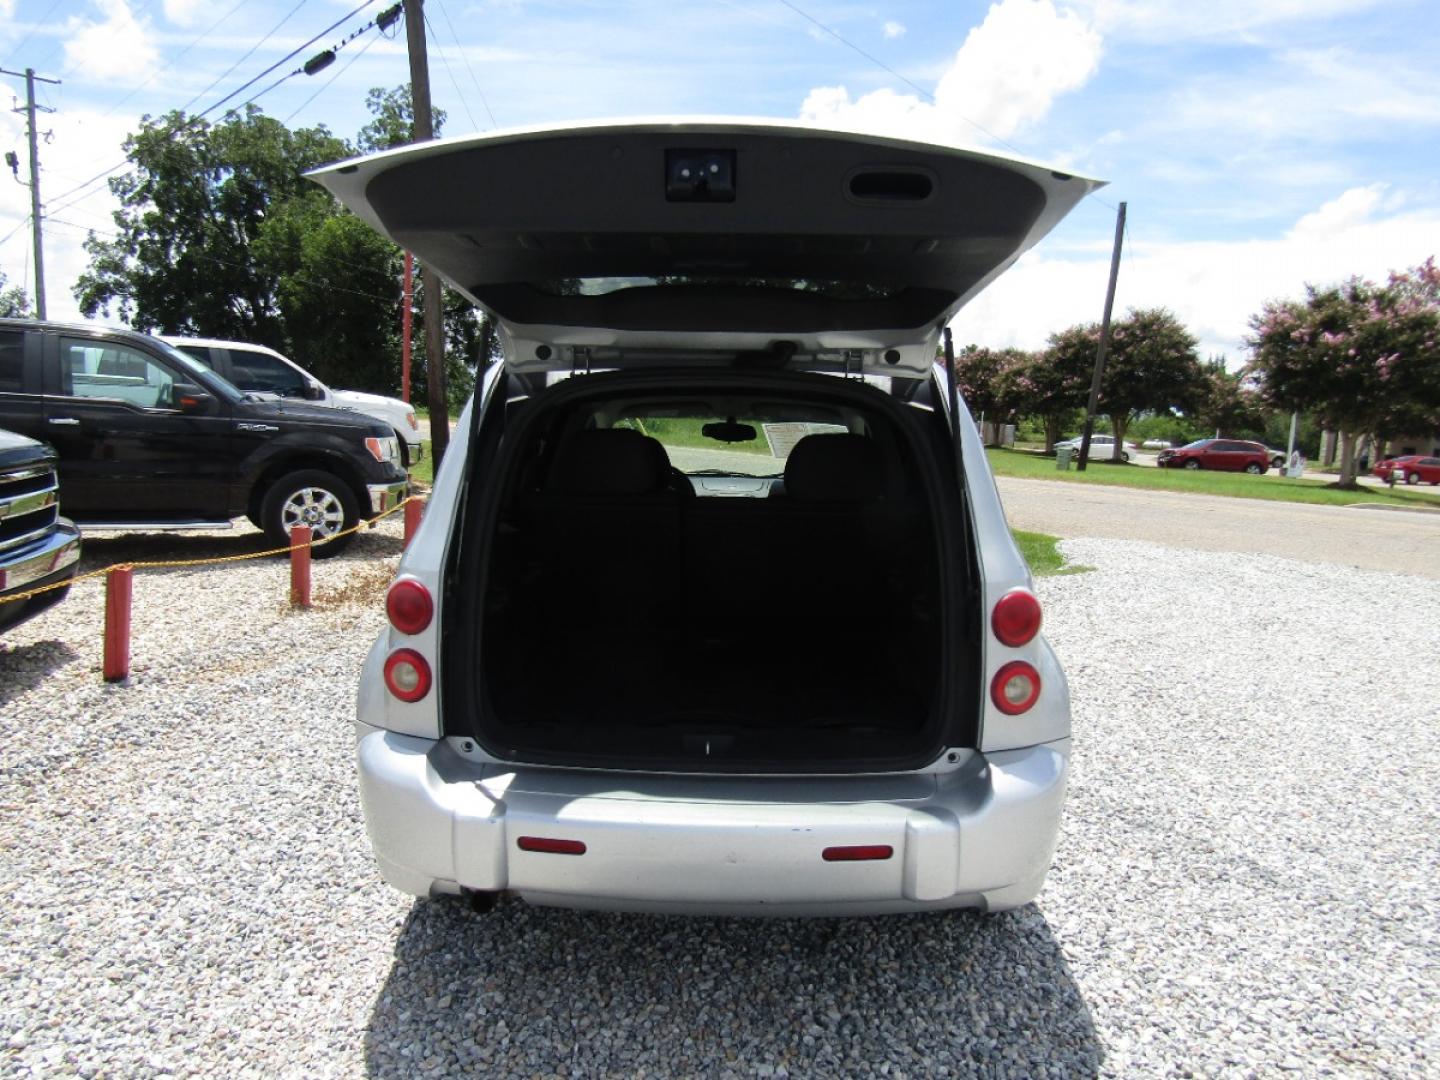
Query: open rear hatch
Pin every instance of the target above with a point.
(630, 233)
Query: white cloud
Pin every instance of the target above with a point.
(893, 29)
(119, 48)
(1213, 286)
(186, 12)
(7, 9)
(1005, 76)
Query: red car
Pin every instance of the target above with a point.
(1412, 468)
(1232, 455)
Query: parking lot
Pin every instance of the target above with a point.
(1245, 884)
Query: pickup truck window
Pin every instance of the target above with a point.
(115, 372)
(257, 371)
(12, 361)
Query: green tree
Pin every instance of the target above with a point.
(14, 303)
(202, 244)
(1151, 367)
(1365, 358)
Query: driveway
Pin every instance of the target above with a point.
(1353, 536)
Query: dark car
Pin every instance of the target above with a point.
(150, 438)
(1412, 468)
(38, 548)
(1226, 455)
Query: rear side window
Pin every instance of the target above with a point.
(260, 371)
(12, 361)
(199, 352)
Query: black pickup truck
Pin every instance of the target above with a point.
(150, 438)
(37, 546)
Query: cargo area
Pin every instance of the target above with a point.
(782, 611)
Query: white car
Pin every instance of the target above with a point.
(1102, 447)
(258, 369)
(714, 608)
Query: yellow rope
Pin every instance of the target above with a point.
(176, 563)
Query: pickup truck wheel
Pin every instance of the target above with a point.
(310, 497)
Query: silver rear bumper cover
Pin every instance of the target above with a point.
(981, 836)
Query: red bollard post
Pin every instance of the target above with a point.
(300, 566)
(118, 592)
(414, 510)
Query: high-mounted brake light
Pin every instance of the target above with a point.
(409, 607)
(1015, 619)
(407, 675)
(1015, 688)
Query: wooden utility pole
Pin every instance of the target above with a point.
(1104, 343)
(429, 280)
(30, 107)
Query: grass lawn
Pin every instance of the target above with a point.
(1238, 485)
(1043, 554)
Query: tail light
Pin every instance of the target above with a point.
(1015, 619)
(1015, 688)
(407, 675)
(409, 607)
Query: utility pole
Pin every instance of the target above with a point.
(1104, 343)
(30, 107)
(429, 280)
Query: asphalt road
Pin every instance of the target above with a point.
(1406, 542)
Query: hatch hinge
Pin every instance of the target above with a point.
(857, 357)
(580, 360)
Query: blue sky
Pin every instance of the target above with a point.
(1259, 144)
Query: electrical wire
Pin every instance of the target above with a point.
(35, 26)
(12, 233)
(251, 52)
(449, 71)
(332, 79)
(289, 56)
(466, 60)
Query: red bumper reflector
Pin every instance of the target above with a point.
(858, 853)
(550, 846)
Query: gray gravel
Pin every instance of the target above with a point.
(1246, 882)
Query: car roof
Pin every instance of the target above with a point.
(218, 343)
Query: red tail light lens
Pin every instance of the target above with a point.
(550, 846)
(858, 853)
(1015, 688)
(409, 606)
(1016, 618)
(407, 675)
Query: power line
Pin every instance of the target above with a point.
(43, 20)
(449, 71)
(289, 56)
(253, 49)
(466, 60)
(332, 79)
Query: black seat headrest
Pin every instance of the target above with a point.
(612, 461)
(834, 468)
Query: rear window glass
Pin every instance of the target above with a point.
(700, 443)
(12, 361)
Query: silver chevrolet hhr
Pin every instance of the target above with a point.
(714, 608)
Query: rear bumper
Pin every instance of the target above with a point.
(981, 836)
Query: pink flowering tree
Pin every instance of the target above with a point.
(1364, 358)
(1048, 387)
(983, 379)
(1151, 367)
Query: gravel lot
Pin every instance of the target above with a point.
(1246, 882)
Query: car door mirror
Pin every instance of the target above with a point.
(313, 392)
(191, 399)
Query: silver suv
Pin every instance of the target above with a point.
(715, 608)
